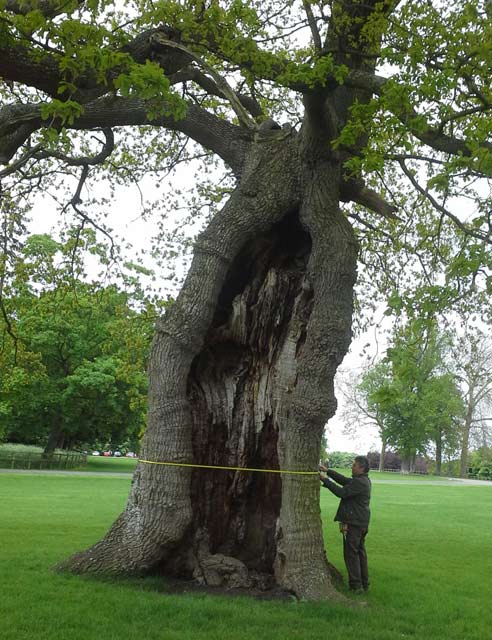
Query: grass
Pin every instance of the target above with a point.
(429, 555)
(115, 465)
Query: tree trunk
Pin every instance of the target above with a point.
(241, 375)
(55, 436)
(407, 462)
(382, 454)
(438, 452)
(466, 438)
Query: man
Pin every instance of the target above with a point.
(353, 515)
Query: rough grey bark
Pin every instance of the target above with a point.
(241, 374)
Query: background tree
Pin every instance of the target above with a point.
(73, 370)
(472, 366)
(414, 399)
(442, 411)
(242, 365)
(341, 459)
(481, 463)
(360, 410)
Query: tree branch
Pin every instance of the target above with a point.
(75, 201)
(430, 136)
(313, 26)
(467, 230)
(84, 161)
(18, 122)
(30, 67)
(369, 226)
(40, 69)
(354, 190)
(211, 88)
(241, 113)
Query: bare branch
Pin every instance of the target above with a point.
(194, 75)
(313, 26)
(17, 122)
(369, 225)
(354, 190)
(21, 162)
(469, 231)
(241, 113)
(105, 152)
(75, 201)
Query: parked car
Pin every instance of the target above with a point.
(96, 453)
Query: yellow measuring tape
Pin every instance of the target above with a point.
(209, 466)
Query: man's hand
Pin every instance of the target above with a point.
(323, 468)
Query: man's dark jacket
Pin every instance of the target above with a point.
(355, 494)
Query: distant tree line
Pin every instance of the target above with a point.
(429, 397)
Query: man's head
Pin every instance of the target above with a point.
(360, 465)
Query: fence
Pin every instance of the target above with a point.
(472, 474)
(418, 473)
(38, 461)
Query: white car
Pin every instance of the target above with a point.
(96, 453)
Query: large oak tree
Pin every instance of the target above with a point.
(329, 116)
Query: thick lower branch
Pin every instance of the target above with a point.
(18, 122)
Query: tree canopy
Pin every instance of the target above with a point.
(413, 395)
(87, 85)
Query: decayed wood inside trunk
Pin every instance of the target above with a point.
(232, 390)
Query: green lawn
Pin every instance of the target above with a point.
(116, 465)
(429, 551)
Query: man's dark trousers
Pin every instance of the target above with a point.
(354, 554)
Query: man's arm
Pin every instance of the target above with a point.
(343, 480)
(351, 489)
